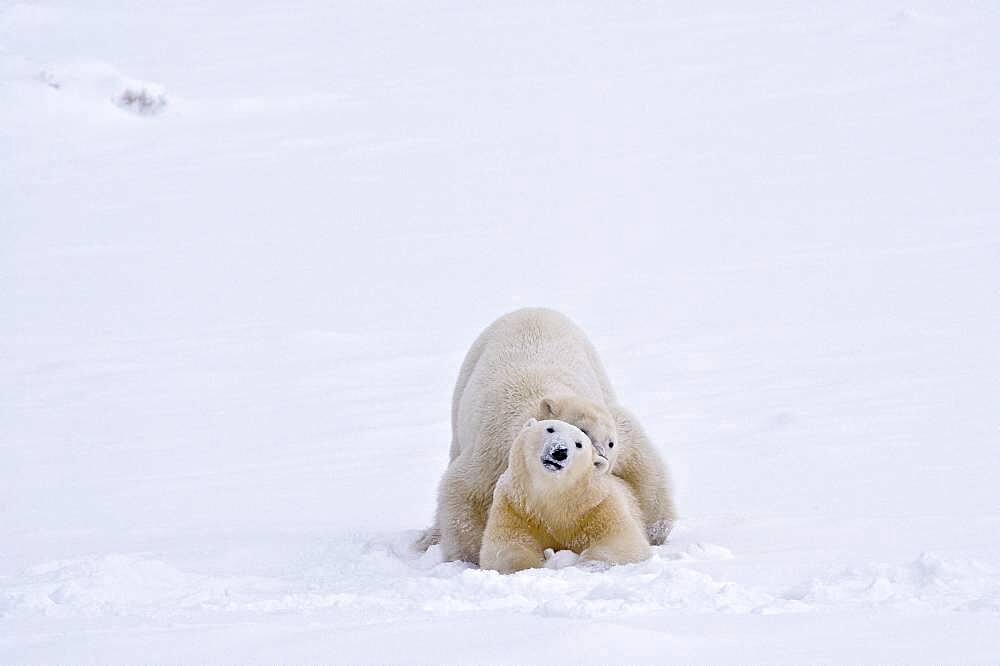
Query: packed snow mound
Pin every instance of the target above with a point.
(113, 584)
(380, 578)
(930, 581)
(383, 579)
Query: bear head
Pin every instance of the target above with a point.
(556, 452)
(591, 417)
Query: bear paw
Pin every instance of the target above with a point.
(561, 559)
(658, 532)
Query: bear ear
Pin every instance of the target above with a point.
(530, 423)
(550, 407)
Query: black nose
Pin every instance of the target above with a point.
(559, 454)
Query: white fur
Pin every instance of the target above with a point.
(539, 507)
(535, 363)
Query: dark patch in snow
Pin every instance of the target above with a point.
(141, 101)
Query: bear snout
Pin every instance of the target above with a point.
(560, 454)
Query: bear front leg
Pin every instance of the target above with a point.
(616, 537)
(641, 467)
(656, 505)
(508, 542)
(511, 557)
(619, 548)
(461, 517)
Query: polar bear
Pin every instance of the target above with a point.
(536, 363)
(555, 495)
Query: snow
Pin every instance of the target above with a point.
(229, 329)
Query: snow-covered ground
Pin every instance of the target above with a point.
(244, 246)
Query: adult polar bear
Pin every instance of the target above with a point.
(536, 363)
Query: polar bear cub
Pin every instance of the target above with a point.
(556, 495)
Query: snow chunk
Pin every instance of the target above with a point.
(561, 559)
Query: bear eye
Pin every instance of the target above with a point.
(611, 445)
(550, 429)
(579, 445)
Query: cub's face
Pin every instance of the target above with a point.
(591, 418)
(557, 451)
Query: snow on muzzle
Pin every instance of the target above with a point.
(555, 456)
